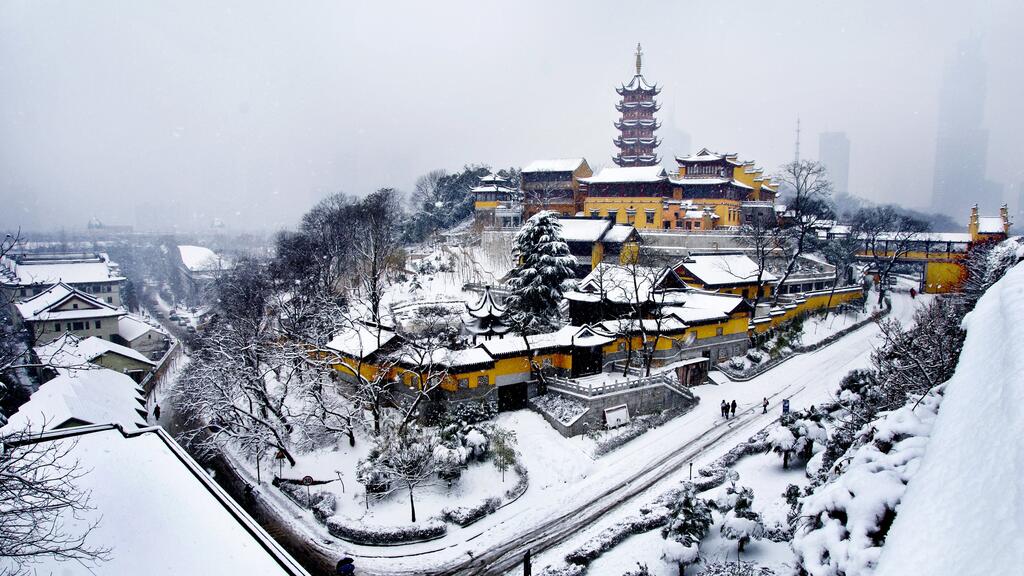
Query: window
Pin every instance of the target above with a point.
(463, 382)
(97, 324)
(110, 300)
(108, 288)
(75, 306)
(613, 215)
(718, 331)
(76, 326)
(56, 327)
(483, 380)
(696, 225)
(595, 213)
(21, 292)
(650, 216)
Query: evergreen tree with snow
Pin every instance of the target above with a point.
(689, 521)
(740, 523)
(544, 272)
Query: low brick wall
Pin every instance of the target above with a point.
(641, 401)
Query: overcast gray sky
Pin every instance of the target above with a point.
(251, 111)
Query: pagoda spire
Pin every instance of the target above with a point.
(636, 125)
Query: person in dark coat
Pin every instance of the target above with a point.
(725, 409)
(156, 412)
(765, 406)
(733, 408)
(346, 566)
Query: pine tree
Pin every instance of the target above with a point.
(689, 521)
(741, 523)
(544, 271)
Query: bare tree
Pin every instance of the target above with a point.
(41, 505)
(887, 237)
(763, 238)
(841, 251)
(376, 246)
(810, 188)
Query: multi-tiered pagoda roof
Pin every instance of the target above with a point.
(636, 141)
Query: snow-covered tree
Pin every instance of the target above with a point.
(740, 522)
(887, 236)
(808, 190)
(783, 443)
(544, 272)
(688, 523)
(400, 461)
(503, 447)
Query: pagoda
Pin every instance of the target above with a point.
(636, 141)
(485, 318)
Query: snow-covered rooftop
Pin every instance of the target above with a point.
(130, 328)
(584, 229)
(360, 340)
(565, 336)
(626, 283)
(556, 165)
(612, 175)
(93, 270)
(201, 259)
(70, 351)
(92, 396)
(160, 513)
(990, 225)
(722, 269)
(49, 305)
(638, 82)
(699, 306)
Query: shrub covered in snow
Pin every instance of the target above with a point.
(359, 533)
(845, 520)
(466, 515)
(740, 523)
(321, 503)
(647, 520)
(731, 568)
(561, 408)
(469, 412)
(688, 522)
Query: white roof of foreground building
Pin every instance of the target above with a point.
(159, 512)
(131, 328)
(89, 395)
(361, 340)
(723, 269)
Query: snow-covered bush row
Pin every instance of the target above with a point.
(845, 521)
(561, 408)
(647, 520)
(735, 568)
(634, 429)
(466, 515)
(359, 533)
(469, 412)
(321, 503)
(522, 482)
(716, 473)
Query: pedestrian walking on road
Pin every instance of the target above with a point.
(156, 412)
(725, 409)
(733, 406)
(765, 406)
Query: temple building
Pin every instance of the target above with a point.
(485, 318)
(554, 185)
(495, 203)
(636, 141)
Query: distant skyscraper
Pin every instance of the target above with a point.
(961, 144)
(834, 153)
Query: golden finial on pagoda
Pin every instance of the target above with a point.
(639, 57)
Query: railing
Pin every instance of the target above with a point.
(667, 379)
(166, 365)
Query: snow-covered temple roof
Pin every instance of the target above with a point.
(722, 269)
(555, 165)
(614, 175)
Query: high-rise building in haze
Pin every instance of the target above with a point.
(834, 153)
(961, 144)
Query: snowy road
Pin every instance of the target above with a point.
(551, 520)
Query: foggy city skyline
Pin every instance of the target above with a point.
(153, 114)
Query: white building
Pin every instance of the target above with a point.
(26, 275)
(61, 308)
